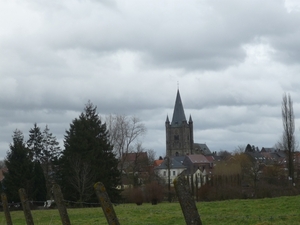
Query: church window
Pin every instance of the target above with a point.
(176, 137)
(165, 173)
(174, 173)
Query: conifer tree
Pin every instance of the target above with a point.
(51, 149)
(35, 143)
(87, 147)
(23, 172)
(19, 167)
(39, 182)
(50, 155)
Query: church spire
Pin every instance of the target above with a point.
(167, 120)
(190, 120)
(178, 114)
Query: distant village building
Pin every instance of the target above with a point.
(180, 134)
(170, 168)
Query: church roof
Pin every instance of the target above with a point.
(178, 114)
(201, 148)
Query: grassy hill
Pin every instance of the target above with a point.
(279, 211)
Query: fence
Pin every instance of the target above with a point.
(186, 201)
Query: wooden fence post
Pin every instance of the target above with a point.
(106, 205)
(6, 209)
(26, 207)
(59, 200)
(187, 202)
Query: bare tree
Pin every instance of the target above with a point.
(239, 149)
(82, 178)
(224, 154)
(288, 137)
(125, 133)
(151, 156)
(253, 175)
(140, 165)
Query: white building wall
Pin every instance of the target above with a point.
(163, 173)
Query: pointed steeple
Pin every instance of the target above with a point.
(190, 120)
(167, 120)
(178, 114)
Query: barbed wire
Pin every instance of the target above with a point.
(82, 203)
(18, 204)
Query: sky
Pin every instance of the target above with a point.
(231, 60)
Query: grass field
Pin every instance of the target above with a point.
(279, 211)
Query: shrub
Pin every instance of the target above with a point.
(126, 195)
(137, 196)
(203, 192)
(154, 192)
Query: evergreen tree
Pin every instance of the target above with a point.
(51, 149)
(39, 182)
(19, 167)
(23, 172)
(44, 150)
(35, 143)
(50, 156)
(87, 147)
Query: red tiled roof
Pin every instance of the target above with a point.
(158, 162)
(135, 155)
(210, 158)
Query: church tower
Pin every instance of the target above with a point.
(179, 133)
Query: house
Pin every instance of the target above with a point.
(134, 162)
(213, 159)
(263, 149)
(195, 167)
(195, 162)
(199, 178)
(134, 167)
(157, 162)
(170, 168)
(297, 164)
(198, 168)
(257, 156)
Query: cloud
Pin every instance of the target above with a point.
(233, 61)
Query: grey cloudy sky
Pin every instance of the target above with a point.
(233, 60)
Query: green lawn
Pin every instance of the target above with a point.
(284, 210)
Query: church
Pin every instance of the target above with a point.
(180, 134)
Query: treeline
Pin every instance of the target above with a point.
(241, 176)
(88, 157)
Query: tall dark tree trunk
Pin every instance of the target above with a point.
(288, 141)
